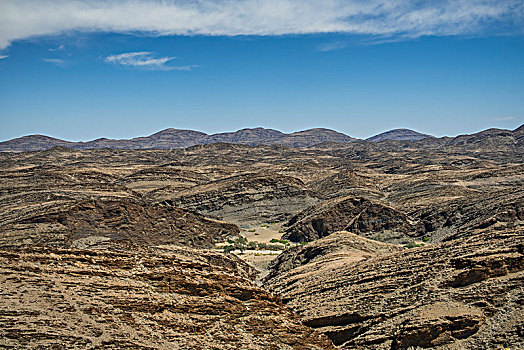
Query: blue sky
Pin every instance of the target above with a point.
(82, 70)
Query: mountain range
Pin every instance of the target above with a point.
(398, 135)
(177, 138)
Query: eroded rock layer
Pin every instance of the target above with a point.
(463, 294)
(253, 197)
(90, 223)
(144, 299)
(354, 214)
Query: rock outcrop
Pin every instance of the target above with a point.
(167, 298)
(463, 294)
(355, 214)
(254, 197)
(96, 222)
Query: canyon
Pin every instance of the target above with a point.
(263, 240)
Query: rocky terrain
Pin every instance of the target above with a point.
(176, 138)
(362, 245)
(355, 214)
(463, 294)
(398, 135)
(141, 299)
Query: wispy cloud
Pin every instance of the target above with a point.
(59, 48)
(21, 19)
(332, 46)
(145, 60)
(3, 56)
(56, 61)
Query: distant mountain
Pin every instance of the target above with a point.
(490, 139)
(398, 135)
(493, 139)
(312, 137)
(34, 143)
(177, 138)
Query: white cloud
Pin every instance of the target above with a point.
(3, 56)
(56, 61)
(146, 60)
(59, 48)
(21, 19)
(332, 46)
(501, 119)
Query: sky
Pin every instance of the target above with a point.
(80, 70)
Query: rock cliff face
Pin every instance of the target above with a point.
(102, 222)
(254, 197)
(144, 299)
(355, 214)
(464, 294)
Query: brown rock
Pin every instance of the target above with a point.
(355, 214)
(154, 299)
(463, 294)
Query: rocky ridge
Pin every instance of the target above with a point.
(398, 135)
(355, 214)
(464, 294)
(144, 299)
(176, 138)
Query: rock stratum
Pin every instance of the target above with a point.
(463, 294)
(394, 244)
(152, 299)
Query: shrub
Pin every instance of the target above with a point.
(412, 244)
(229, 248)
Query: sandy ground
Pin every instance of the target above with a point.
(259, 259)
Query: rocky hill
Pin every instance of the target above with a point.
(464, 294)
(176, 138)
(252, 197)
(496, 139)
(355, 214)
(398, 135)
(168, 298)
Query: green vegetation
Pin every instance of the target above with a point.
(228, 248)
(283, 241)
(251, 230)
(243, 244)
(412, 244)
(425, 239)
(264, 225)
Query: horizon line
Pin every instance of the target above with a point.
(253, 128)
